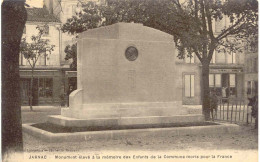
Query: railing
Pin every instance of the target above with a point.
(234, 111)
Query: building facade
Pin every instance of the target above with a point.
(63, 10)
(53, 79)
(232, 75)
(48, 72)
(251, 73)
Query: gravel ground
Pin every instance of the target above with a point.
(246, 140)
(39, 114)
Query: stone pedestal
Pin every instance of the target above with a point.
(126, 71)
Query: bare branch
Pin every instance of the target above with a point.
(233, 32)
(221, 36)
(208, 15)
(198, 55)
(177, 3)
(60, 6)
(37, 57)
(28, 60)
(204, 27)
(196, 13)
(211, 51)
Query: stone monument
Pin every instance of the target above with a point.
(126, 76)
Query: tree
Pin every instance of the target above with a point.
(71, 53)
(189, 21)
(74, 25)
(198, 36)
(14, 17)
(32, 51)
(254, 103)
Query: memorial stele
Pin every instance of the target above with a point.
(126, 75)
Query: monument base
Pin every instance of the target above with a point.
(119, 110)
(125, 114)
(126, 121)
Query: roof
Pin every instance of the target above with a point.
(40, 15)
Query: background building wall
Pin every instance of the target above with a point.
(241, 65)
(251, 74)
(191, 68)
(53, 36)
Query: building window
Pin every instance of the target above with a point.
(211, 80)
(232, 80)
(189, 85)
(20, 59)
(215, 83)
(73, 8)
(218, 26)
(231, 58)
(45, 29)
(45, 87)
(213, 59)
(217, 80)
(232, 84)
(251, 88)
(42, 59)
(23, 60)
(223, 84)
(214, 80)
(252, 65)
(220, 58)
(189, 60)
(51, 6)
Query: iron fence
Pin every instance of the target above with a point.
(234, 111)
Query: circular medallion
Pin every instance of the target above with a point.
(131, 53)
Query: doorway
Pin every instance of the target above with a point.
(223, 84)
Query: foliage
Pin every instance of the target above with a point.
(37, 48)
(32, 51)
(88, 20)
(71, 53)
(93, 16)
(254, 103)
(255, 110)
(189, 21)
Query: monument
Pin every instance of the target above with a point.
(126, 76)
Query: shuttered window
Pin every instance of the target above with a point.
(189, 85)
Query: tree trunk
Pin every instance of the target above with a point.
(31, 90)
(13, 21)
(205, 91)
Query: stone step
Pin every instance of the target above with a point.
(66, 121)
(121, 112)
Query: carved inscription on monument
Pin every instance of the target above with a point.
(132, 79)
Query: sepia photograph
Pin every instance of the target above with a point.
(129, 80)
